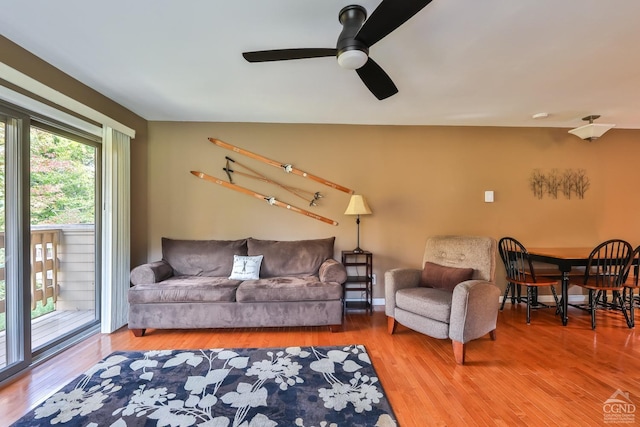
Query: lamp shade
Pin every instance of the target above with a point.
(357, 206)
(591, 131)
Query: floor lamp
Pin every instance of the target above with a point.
(358, 206)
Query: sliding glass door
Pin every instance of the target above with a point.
(49, 237)
(63, 235)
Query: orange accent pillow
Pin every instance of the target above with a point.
(443, 277)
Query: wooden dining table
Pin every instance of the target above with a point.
(565, 259)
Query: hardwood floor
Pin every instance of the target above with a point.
(541, 374)
(50, 326)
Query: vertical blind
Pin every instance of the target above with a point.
(116, 229)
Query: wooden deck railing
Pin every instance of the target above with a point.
(44, 266)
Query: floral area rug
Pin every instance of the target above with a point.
(259, 387)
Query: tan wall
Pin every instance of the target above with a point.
(418, 181)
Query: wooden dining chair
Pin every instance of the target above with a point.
(520, 272)
(631, 284)
(606, 271)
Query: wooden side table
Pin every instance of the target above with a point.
(359, 267)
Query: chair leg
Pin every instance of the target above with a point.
(555, 298)
(458, 352)
(620, 300)
(505, 296)
(593, 301)
(631, 308)
(492, 335)
(391, 325)
(529, 299)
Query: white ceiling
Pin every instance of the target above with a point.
(457, 62)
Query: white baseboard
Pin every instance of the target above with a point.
(375, 301)
(573, 299)
(549, 299)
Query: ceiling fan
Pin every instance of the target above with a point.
(357, 36)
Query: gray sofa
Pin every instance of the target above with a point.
(299, 284)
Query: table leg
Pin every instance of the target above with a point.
(565, 297)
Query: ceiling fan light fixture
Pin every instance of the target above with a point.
(591, 131)
(352, 59)
(354, 41)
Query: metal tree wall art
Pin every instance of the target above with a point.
(537, 182)
(569, 182)
(553, 183)
(581, 183)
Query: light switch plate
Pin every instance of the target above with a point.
(488, 196)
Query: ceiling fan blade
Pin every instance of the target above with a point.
(375, 78)
(388, 16)
(287, 54)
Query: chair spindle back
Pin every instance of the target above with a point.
(516, 259)
(608, 264)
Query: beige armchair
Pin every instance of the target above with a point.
(467, 312)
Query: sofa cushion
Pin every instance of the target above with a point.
(332, 271)
(426, 302)
(291, 258)
(151, 272)
(246, 267)
(185, 289)
(443, 277)
(305, 288)
(211, 258)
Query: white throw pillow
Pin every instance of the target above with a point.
(246, 267)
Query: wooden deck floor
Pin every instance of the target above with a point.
(542, 374)
(50, 326)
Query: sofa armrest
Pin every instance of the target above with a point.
(474, 310)
(332, 271)
(152, 272)
(396, 279)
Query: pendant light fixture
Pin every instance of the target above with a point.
(592, 131)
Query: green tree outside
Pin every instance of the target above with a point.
(62, 180)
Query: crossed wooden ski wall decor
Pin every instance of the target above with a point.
(230, 169)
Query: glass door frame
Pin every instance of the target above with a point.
(20, 353)
(17, 241)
